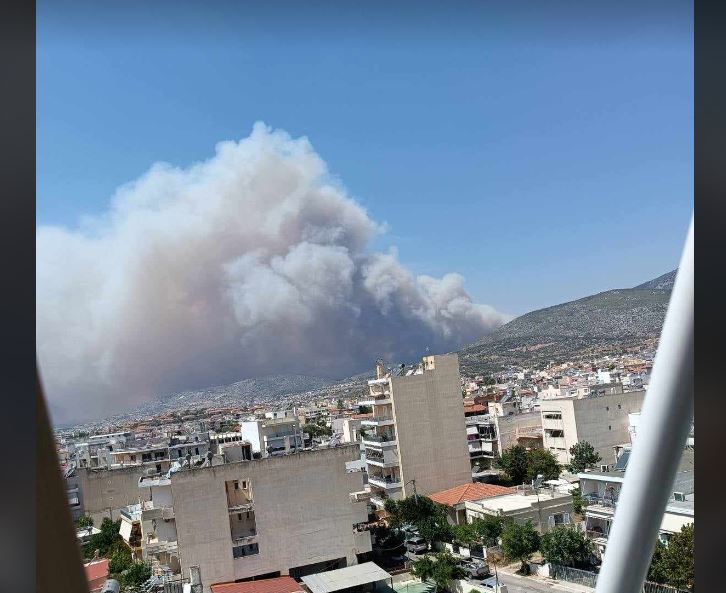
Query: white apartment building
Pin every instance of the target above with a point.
(601, 419)
(601, 490)
(275, 434)
(417, 435)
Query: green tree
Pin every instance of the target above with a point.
(103, 541)
(318, 430)
(657, 570)
(430, 518)
(542, 462)
(519, 542)
(489, 530)
(85, 522)
(135, 576)
(513, 462)
(339, 404)
(363, 409)
(583, 457)
(566, 546)
(578, 502)
(672, 564)
(485, 531)
(441, 569)
(120, 560)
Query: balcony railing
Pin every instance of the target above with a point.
(379, 439)
(385, 481)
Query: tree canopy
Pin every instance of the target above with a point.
(430, 518)
(566, 546)
(520, 464)
(441, 569)
(85, 522)
(519, 542)
(105, 540)
(485, 531)
(583, 456)
(672, 564)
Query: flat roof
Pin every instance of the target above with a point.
(517, 501)
(345, 578)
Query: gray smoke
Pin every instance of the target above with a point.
(251, 263)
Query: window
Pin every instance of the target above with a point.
(158, 467)
(239, 516)
(620, 407)
(610, 427)
(607, 408)
(196, 450)
(244, 484)
(236, 485)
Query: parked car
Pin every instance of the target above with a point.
(476, 570)
(417, 545)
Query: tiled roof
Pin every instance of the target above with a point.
(474, 408)
(276, 585)
(96, 570)
(473, 491)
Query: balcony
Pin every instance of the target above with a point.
(378, 421)
(386, 458)
(375, 440)
(377, 400)
(244, 538)
(241, 506)
(387, 482)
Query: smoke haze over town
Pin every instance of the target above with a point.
(253, 262)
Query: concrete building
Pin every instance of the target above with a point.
(280, 515)
(546, 508)
(276, 433)
(417, 433)
(601, 420)
(601, 490)
(523, 428)
(481, 440)
(105, 492)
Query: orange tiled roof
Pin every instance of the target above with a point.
(474, 408)
(473, 491)
(275, 585)
(96, 573)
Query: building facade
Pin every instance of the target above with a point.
(601, 420)
(290, 514)
(417, 435)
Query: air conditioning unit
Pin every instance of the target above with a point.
(679, 496)
(604, 468)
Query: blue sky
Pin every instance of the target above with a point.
(543, 155)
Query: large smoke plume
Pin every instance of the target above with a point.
(251, 263)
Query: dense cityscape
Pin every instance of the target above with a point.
(411, 468)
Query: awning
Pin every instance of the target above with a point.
(345, 578)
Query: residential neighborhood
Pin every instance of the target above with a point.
(424, 474)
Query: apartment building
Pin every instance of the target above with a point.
(277, 433)
(281, 515)
(601, 490)
(481, 440)
(417, 435)
(601, 418)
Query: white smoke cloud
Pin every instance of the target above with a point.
(253, 262)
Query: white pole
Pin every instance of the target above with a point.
(665, 422)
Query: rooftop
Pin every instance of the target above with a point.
(345, 578)
(472, 491)
(517, 501)
(274, 585)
